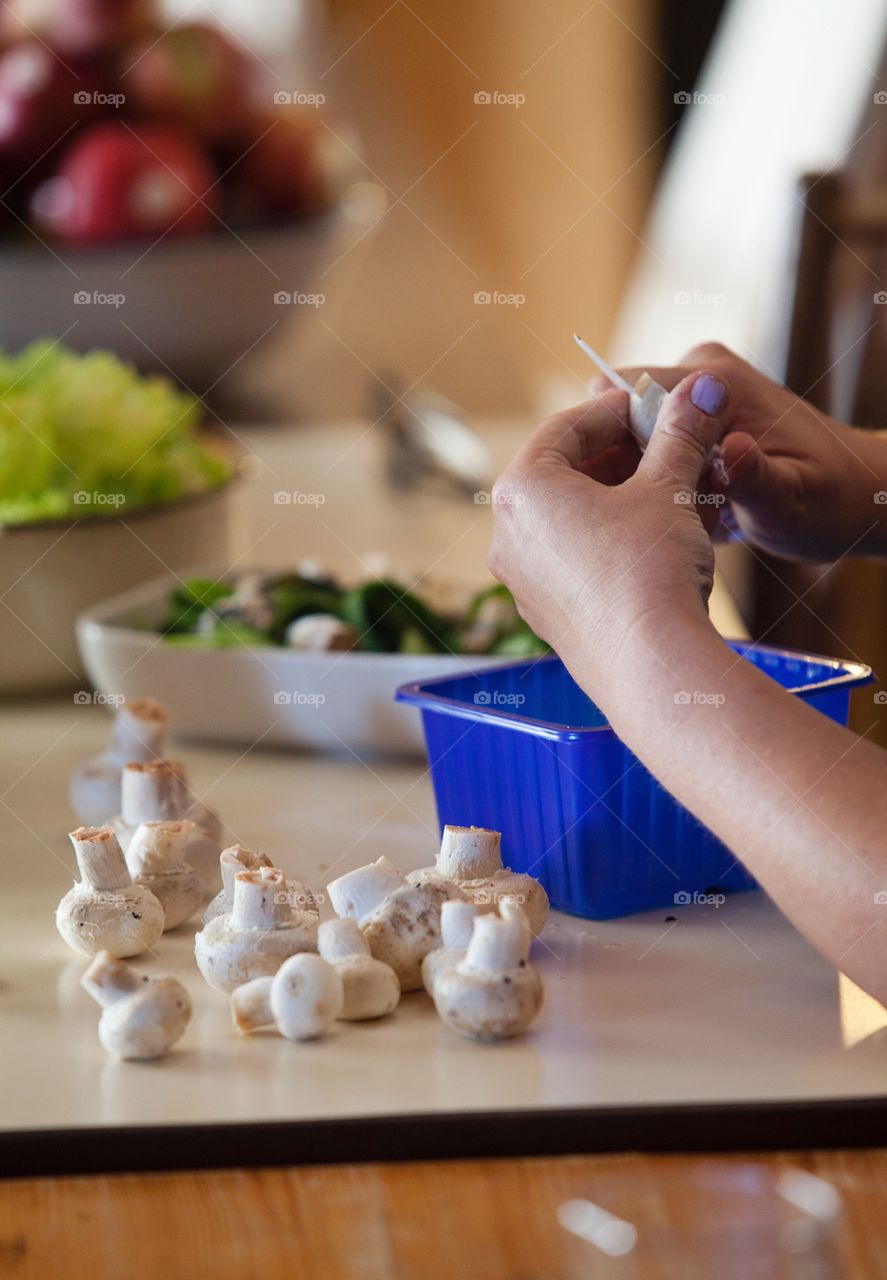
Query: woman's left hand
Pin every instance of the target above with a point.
(589, 559)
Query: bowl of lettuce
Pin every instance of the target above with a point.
(106, 477)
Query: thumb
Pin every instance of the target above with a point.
(690, 423)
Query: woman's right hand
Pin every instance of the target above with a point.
(800, 484)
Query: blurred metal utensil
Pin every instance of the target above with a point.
(427, 442)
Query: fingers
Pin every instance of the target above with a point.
(576, 435)
(667, 377)
(690, 423)
(754, 481)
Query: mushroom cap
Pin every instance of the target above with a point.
(307, 996)
(516, 885)
(405, 927)
(125, 921)
(228, 957)
(147, 1023)
(179, 891)
(371, 988)
(320, 633)
(488, 1008)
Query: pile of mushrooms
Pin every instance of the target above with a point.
(462, 929)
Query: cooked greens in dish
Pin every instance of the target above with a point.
(313, 611)
(86, 435)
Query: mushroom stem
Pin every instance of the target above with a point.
(261, 900)
(251, 1005)
(108, 980)
(158, 846)
(358, 892)
(100, 858)
(341, 939)
(456, 924)
(498, 943)
(139, 731)
(469, 853)
(151, 792)
(238, 858)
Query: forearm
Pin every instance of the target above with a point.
(801, 801)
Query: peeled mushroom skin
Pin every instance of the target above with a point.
(125, 921)
(492, 1008)
(148, 1023)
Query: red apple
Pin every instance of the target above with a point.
(41, 98)
(280, 171)
(117, 183)
(193, 75)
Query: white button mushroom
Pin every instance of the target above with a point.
(320, 633)
(493, 992)
(157, 791)
(400, 921)
(262, 930)
(105, 911)
(372, 989)
(142, 1017)
(456, 926)
(471, 858)
(231, 860)
(138, 733)
(302, 1000)
(157, 857)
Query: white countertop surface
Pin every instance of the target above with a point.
(724, 1004)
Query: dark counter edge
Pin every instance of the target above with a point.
(710, 1128)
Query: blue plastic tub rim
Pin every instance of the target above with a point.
(846, 675)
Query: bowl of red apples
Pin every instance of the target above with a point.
(161, 196)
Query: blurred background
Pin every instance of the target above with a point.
(302, 210)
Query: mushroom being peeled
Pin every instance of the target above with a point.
(302, 1000)
(493, 992)
(231, 860)
(371, 988)
(157, 791)
(142, 1017)
(471, 858)
(400, 921)
(262, 930)
(157, 858)
(138, 733)
(456, 926)
(105, 911)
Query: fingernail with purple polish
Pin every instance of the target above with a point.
(709, 394)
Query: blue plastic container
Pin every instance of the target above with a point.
(521, 749)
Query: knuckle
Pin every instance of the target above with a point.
(708, 353)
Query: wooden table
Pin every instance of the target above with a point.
(494, 1219)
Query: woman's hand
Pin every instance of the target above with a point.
(801, 485)
(587, 560)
